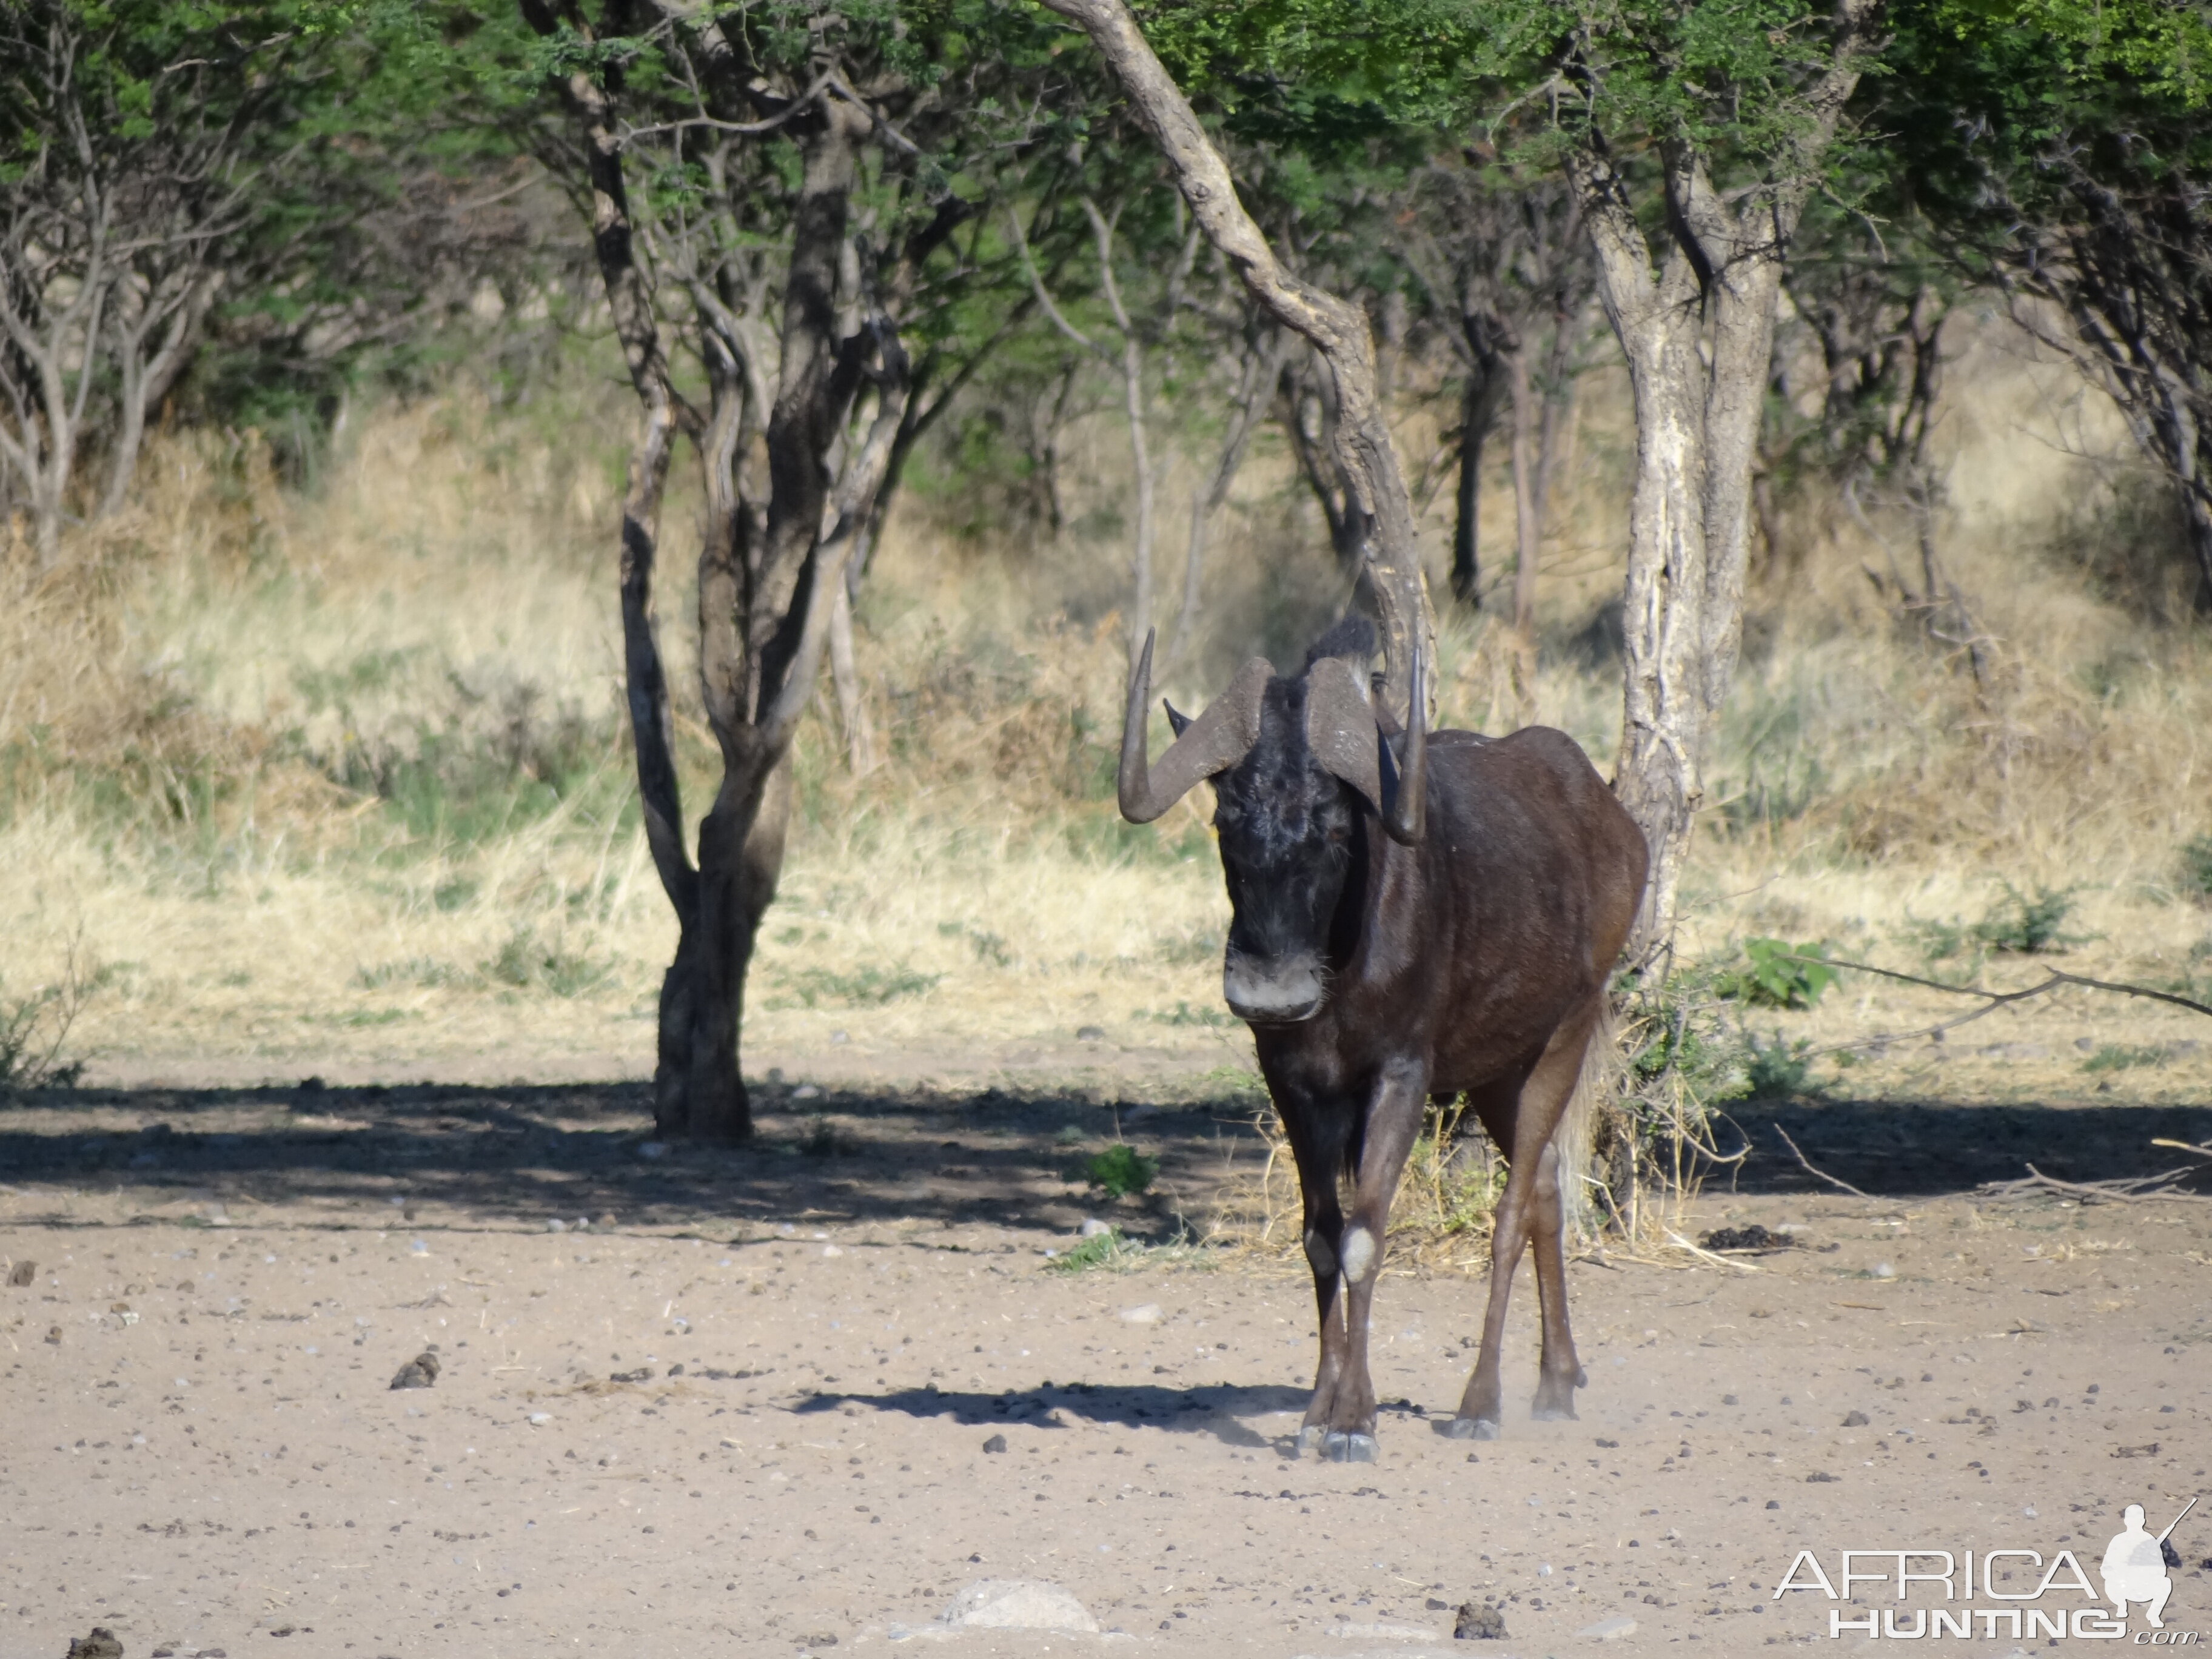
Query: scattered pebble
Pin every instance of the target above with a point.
(556, 1225)
(1883, 1270)
(540, 1418)
(1148, 1313)
(22, 1274)
(1855, 1420)
(806, 1091)
(101, 1644)
(1092, 1228)
(997, 1442)
(1477, 1621)
(420, 1372)
(1090, 1034)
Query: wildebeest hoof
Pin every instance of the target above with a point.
(1472, 1428)
(1310, 1437)
(1340, 1448)
(1553, 1414)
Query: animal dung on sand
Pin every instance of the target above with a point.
(420, 1372)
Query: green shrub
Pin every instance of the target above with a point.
(1776, 974)
(527, 965)
(871, 987)
(1121, 1172)
(2119, 1056)
(2016, 925)
(1099, 1250)
(1779, 1069)
(2197, 867)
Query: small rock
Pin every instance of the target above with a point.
(101, 1644)
(607, 1220)
(1090, 1034)
(997, 1442)
(1148, 1313)
(1819, 1477)
(838, 1039)
(831, 1249)
(1016, 1604)
(54, 1335)
(420, 1372)
(1092, 1228)
(556, 1225)
(2087, 1045)
(1883, 1270)
(1774, 1503)
(22, 1274)
(1479, 1622)
(539, 1419)
(806, 1091)
(1855, 1420)
(1609, 1630)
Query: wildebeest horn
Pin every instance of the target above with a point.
(1340, 727)
(1406, 782)
(1213, 743)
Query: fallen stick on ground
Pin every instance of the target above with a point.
(2136, 1189)
(1992, 1000)
(1682, 1243)
(1822, 1175)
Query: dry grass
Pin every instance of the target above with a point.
(334, 778)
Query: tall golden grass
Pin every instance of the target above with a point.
(336, 774)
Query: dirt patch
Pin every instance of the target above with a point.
(746, 1406)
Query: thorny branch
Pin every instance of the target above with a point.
(1992, 1000)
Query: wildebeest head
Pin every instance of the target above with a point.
(1295, 764)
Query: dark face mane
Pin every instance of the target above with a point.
(1288, 832)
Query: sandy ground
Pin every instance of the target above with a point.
(745, 1410)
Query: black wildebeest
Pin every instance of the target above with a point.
(1420, 921)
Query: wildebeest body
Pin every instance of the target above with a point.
(1466, 952)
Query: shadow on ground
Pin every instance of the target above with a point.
(532, 1154)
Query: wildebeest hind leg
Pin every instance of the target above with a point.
(1543, 1102)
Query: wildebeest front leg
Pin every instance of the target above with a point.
(1318, 1138)
(1393, 1118)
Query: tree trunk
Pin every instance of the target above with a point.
(1486, 339)
(852, 696)
(1697, 326)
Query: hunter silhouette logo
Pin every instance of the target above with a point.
(2134, 1568)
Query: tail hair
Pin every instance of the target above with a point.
(1575, 1140)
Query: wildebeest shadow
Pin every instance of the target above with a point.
(1218, 1409)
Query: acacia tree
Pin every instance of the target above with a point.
(2058, 151)
(774, 207)
(1694, 131)
(1379, 508)
(124, 184)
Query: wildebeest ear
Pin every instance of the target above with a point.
(1340, 726)
(1177, 720)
